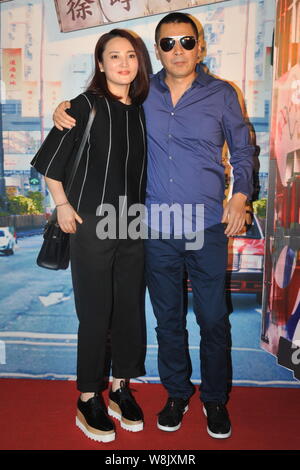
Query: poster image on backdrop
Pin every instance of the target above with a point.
(281, 304)
(38, 324)
(79, 15)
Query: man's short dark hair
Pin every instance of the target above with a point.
(176, 17)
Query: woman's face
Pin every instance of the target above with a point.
(119, 63)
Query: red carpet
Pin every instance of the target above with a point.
(40, 415)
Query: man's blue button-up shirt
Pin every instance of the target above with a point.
(185, 144)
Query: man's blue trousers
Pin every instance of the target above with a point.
(166, 263)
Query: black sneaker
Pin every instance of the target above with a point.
(92, 419)
(123, 407)
(218, 422)
(170, 417)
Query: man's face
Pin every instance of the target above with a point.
(178, 62)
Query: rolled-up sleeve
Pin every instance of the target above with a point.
(57, 149)
(237, 136)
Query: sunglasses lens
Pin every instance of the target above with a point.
(188, 43)
(167, 44)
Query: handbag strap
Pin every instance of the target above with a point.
(53, 217)
(80, 150)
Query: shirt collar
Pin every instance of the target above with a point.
(202, 78)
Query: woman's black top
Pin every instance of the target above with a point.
(113, 162)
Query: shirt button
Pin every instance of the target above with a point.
(170, 135)
(171, 180)
(170, 158)
(172, 114)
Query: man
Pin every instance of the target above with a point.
(189, 115)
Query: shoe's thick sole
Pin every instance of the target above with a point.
(212, 434)
(92, 433)
(115, 411)
(169, 428)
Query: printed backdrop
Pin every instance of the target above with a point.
(42, 66)
(281, 305)
(74, 15)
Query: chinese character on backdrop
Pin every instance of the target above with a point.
(78, 14)
(12, 72)
(126, 3)
(79, 8)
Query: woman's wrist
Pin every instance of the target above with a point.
(62, 204)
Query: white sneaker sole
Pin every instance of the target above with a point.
(96, 435)
(174, 428)
(125, 423)
(212, 434)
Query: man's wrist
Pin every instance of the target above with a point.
(241, 196)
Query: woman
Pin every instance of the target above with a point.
(107, 274)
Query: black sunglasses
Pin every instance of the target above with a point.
(187, 42)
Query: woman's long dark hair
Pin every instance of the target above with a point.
(139, 87)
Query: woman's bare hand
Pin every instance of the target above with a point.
(66, 217)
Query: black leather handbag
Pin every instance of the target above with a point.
(55, 250)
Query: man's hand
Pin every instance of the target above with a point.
(234, 214)
(61, 118)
